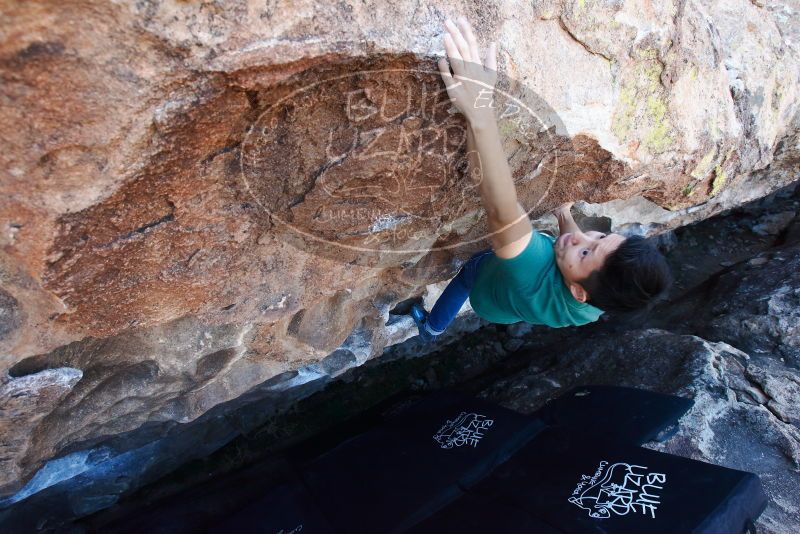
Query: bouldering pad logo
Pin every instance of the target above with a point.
(465, 430)
(619, 489)
(375, 161)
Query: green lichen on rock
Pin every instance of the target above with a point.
(719, 179)
(705, 165)
(622, 120)
(653, 72)
(646, 54)
(642, 107)
(656, 108)
(716, 133)
(689, 190)
(506, 128)
(658, 138)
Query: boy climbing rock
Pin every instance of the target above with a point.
(527, 275)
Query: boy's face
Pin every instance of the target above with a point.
(579, 253)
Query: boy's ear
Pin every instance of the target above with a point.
(578, 292)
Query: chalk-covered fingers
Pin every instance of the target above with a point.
(490, 64)
(453, 55)
(464, 53)
(472, 81)
(469, 37)
(461, 43)
(490, 61)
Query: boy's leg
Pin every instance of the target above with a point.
(454, 295)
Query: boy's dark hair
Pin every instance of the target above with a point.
(632, 280)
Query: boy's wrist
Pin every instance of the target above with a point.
(563, 211)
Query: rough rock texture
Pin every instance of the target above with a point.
(24, 402)
(163, 164)
(761, 311)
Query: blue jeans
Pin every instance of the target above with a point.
(455, 294)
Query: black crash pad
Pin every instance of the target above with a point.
(616, 413)
(283, 509)
(580, 485)
(454, 463)
(415, 463)
(474, 513)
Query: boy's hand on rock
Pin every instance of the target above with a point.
(471, 86)
(562, 210)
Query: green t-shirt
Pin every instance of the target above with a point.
(528, 287)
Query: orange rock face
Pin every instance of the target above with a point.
(195, 198)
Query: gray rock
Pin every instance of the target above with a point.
(773, 223)
(513, 344)
(755, 308)
(519, 329)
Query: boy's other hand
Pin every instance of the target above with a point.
(562, 210)
(564, 217)
(471, 86)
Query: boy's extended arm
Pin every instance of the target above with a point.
(508, 223)
(473, 82)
